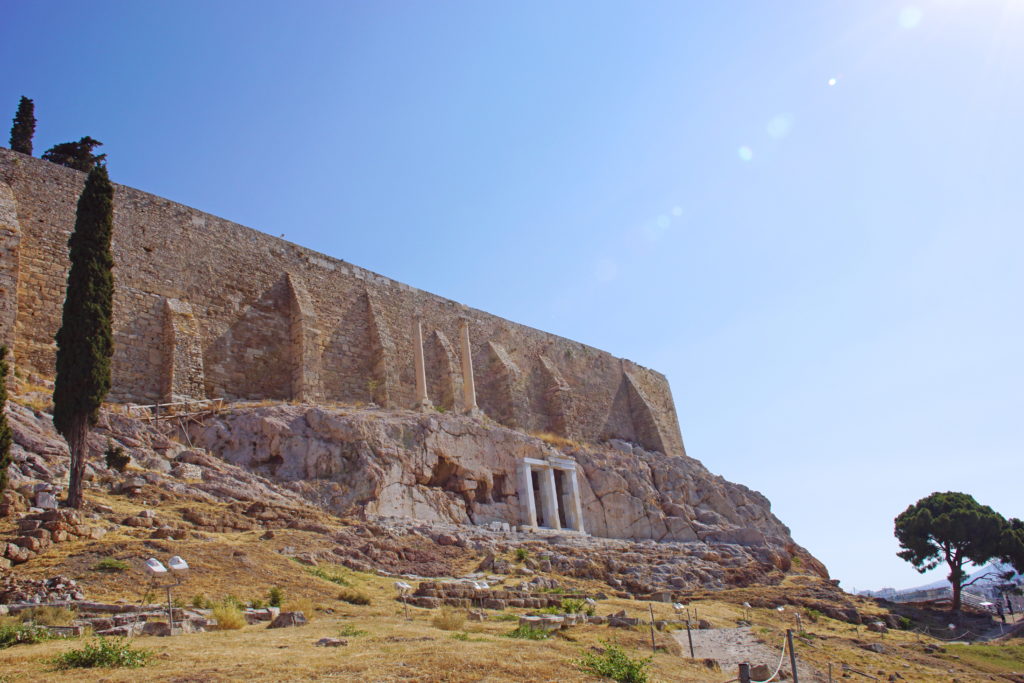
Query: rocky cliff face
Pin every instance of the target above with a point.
(430, 484)
(448, 468)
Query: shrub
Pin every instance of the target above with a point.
(18, 634)
(304, 605)
(615, 664)
(521, 554)
(333, 577)
(904, 623)
(573, 605)
(350, 631)
(354, 597)
(200, 601)
(233, 601)
(461, 635)
(448, 619)
(115, 457)
(505, 617)
(527, 632)
(275, 597)
(257, 604)
(111, 564)
(814, 615)
(103, 652)
(229, 616)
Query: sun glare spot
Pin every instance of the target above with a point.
(911, 16)
(745, 153)
(833, 81)
(677, 211)
(780, 126)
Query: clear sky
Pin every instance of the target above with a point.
(806, 214)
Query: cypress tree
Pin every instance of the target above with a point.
(5, 429)
(85, 341)
(24, 127)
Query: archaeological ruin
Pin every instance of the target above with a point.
(386, 399)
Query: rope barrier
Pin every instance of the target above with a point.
(782, 658)
(926, 631)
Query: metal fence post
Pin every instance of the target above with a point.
(792, 654)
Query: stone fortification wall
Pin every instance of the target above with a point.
(209, 308)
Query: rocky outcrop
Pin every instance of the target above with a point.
(449, 468)
(437, 493)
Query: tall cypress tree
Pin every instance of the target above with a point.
(5, 429)
(24, 127)
(85, 341)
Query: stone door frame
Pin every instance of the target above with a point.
(550, 505)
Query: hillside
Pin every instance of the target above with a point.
(244, 497)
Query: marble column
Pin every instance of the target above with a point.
(549, 498)
(574, 508)
(526, 498)
(422, 401)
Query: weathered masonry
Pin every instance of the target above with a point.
(208, 308)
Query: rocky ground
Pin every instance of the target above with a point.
(273, 467)
(251, 522)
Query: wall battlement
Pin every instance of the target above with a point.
(204, 307)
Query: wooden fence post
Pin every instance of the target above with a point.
(744, 673)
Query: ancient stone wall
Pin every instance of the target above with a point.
(209, 308)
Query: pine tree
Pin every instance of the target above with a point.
(76, 155)
(85, 341)
(5, 429)
(24, 127)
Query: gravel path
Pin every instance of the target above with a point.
(731, 646)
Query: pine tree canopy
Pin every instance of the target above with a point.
(949, 527)
(76, 155)
(24, 127)
(85, 341)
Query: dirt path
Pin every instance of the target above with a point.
(731, 646)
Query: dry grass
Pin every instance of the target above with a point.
(555, 440)
(229, 617)
(300, 604)
(448, 619)
(394, 649)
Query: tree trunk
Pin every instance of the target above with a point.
(77, 442)
(956, 580)
(957, 588)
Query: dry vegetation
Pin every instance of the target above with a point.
(433, 645)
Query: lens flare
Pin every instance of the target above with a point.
(911, 16)
(780, 126)
(745, 153)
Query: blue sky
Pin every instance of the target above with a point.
(806, 214)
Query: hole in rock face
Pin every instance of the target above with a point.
(444, 470)
(483, 491)
(498, 490)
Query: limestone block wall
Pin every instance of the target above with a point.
(208, 308)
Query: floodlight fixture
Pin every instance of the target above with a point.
(155, 567)
(678, 606)
(402, 586)
(590, 601)
(177, 564)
